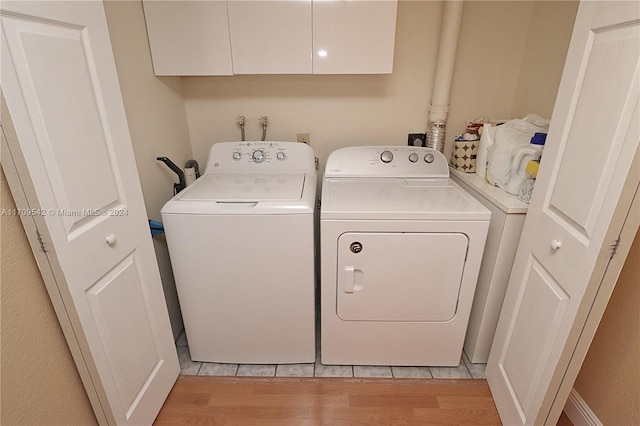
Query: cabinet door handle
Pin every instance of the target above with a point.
(555, 244)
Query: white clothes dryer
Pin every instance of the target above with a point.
(401, 246)
(241, 242)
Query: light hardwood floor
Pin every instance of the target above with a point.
(328, 401)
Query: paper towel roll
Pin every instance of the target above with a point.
(189, 175)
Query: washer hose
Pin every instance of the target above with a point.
(177, 187)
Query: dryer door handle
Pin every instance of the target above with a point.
(349, 278)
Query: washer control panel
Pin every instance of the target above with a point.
(259, 152)
(260, 156)
(389, 161)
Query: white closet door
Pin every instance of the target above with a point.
(61, 88)
(588, 162)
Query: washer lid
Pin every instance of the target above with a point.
(396, 198)
(245, 187)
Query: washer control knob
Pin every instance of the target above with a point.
(281, 156)
(413, 157)
(429, 157)
(237, 156)
(386, 156)
(258, 156)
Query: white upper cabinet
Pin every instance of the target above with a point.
(353, 37)
(188, 37)
(270, 37)
(217, 37)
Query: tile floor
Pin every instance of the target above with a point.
(466, 370)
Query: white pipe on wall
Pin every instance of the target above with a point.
(439, 107)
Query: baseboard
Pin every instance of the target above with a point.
(579, 412)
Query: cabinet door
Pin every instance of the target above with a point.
(270, 37)
(353, 37)
(188, 37)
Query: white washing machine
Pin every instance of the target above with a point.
(241, 242)
(401, 246)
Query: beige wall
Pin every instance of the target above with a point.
(609, 380)
(490, 51)
(510, 59)
(500, 42)
(548, 35)
(39, 380)
(157, 124)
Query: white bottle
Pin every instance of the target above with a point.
(486, 140)
(189, 175)
(519, 165)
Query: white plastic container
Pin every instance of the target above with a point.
(529, 181)
(486, 140)
(518, 167)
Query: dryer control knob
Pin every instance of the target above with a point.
(386, 156)
(258, 156)
(413, 157)
(429, 158)
(280, 156)
(237, 156)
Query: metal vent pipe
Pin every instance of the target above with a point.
(439, 106)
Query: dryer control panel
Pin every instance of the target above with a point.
(387, 161)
